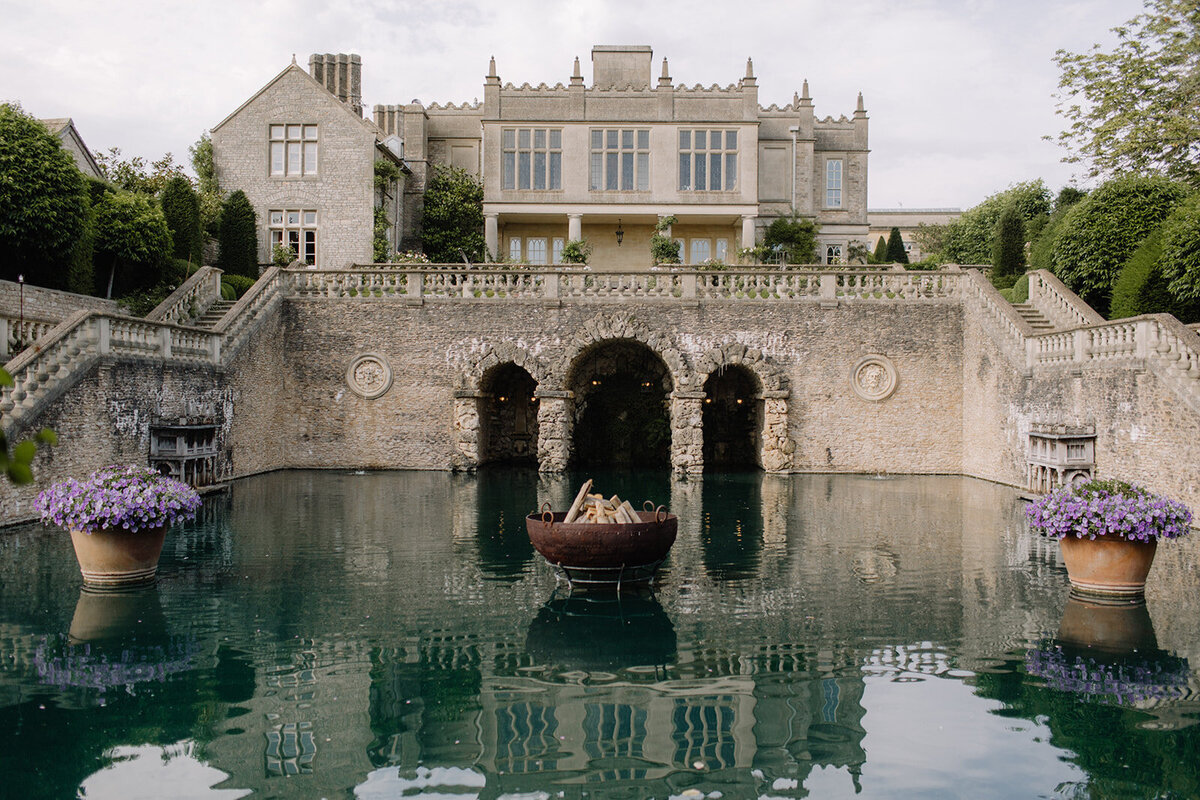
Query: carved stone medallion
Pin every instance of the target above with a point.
(369, 375)
(873, 378)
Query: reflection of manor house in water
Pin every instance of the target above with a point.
(558, 163)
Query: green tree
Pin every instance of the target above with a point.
(664, 249)
(43, 202)
(969, 239)
(1041, 251)
(1100, 232)
(895, 248)
(1134, 109)
(181, 209)
(794, 238)
(238, 236)
(880, 254)
(452, 224)
(1008, 249)
(132, 240)
(1181, 251)
(207, 190)
(135, 175)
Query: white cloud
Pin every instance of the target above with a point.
(959, 93)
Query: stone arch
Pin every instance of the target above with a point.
(777, 448)
(556, 412)
(469, 394)
(471, 376)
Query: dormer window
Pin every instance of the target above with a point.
(293, 150)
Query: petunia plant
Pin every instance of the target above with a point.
(1108, 508)
(130, 498)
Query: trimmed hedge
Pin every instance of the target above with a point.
(1100, 233)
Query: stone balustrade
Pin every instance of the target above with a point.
(65, 353)
(576, 283)
(980, 291)
(1058, 303)
(17, 333)
(190, 300)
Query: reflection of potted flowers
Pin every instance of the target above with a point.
(119, 663)
(1131, 679)
(1108, 531)
(118, 519)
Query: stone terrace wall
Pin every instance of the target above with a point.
(1146, 431)
(431, 346)
(49, 304)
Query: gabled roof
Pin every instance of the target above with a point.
(64, 128)
(367, 124)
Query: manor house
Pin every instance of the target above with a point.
(603, 162)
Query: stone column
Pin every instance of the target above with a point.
(491, 233)
(687, 432)
(554, 429)
(466, 430)
(748, 230)
(574, 227)
(778, 448)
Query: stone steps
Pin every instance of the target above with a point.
(214, 314)
(1035, 318)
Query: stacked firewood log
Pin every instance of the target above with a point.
(596, 508)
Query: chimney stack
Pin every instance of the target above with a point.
(341, 74)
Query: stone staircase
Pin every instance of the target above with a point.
(1036, 319)
(214, 314)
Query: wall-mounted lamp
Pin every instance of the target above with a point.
(620, 233)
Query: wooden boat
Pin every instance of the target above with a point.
(603, 554)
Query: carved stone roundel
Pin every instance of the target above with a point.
(369, 375)
(874, 378)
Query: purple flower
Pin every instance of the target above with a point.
(1108, 508)
(131, 498)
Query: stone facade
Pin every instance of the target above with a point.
(780, 156)
(561, 162)
(306, 161)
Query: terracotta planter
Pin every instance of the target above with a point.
(117, 559)
(1108, 566)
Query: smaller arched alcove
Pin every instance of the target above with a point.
(622, 407)
(508, 416)
(732, 419)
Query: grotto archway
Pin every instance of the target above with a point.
(621, 410)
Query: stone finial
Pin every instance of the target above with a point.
(492, 67)
(749, 68)
(577, 73)
(804, 91)
(666, 73)
(860, 108)
(795, 99)
(293, 59)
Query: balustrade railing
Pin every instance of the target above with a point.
(18, 332)
(1058, 303)
(996, 309)
(190, 300)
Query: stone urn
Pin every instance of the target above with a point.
(118, 559)
(1108, 566)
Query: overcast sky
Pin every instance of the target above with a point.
(959, 92)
